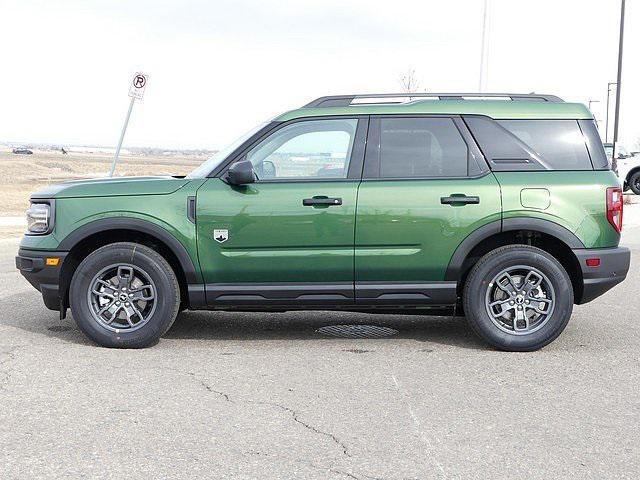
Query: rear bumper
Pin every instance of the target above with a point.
(44, 278)
(613, 268)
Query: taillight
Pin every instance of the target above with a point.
(614, 207)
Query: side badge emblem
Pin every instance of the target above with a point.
(221, 236)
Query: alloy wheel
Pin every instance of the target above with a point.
(520, 300)
(122, 297)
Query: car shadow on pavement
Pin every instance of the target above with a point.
(33, 317)
(303, 325)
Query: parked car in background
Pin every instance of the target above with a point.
(22, 151)
(629, 171)
(504, 210)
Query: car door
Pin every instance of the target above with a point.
(288, 237)
(425, 188)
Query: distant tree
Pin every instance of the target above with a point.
(409, 82)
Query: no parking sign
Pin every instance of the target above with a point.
(136, 90)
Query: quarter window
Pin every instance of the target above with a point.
(421, 147)
(560, 143)
(312, 149)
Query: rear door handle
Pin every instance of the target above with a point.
(321, 200)
(459, 199)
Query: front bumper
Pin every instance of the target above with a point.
(613, 268)
(45, 278)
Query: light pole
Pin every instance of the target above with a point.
(606, 128)
(481, 82)
(594, 115)
(617, 114)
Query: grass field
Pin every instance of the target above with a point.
(23, 174)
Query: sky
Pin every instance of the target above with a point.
(218, 67)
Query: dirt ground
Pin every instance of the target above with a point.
(24, 174)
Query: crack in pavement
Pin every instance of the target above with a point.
(359, 476)
(296, 419)
(202, 382)
(209, 388)
(294, 414)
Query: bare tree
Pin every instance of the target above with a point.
(409, 82)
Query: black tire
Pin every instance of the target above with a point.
(634, 183)
(478, 283)
(131, 255)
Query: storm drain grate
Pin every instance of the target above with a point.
(356, 331)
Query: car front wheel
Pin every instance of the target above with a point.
(124, 295)
(518, 298)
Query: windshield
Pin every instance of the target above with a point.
(220, 156)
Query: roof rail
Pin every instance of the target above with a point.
(396, 98)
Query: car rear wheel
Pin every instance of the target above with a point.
(634, 183)
(124, 295)
(518, 298)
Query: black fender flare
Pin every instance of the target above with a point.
(509, 224)
(136, 224)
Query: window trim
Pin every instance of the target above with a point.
(356, 162)
(371, 171)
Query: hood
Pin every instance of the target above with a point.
(109, 187)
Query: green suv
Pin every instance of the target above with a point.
(502, 208)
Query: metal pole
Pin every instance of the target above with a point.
(482, 49)
(594, 115)
(616, 120)
(606, 128)
(124, 129)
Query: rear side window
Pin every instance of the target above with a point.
(421, 147)
(594, 144)
(559, 143)
(531, 144)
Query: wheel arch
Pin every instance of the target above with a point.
(545, 234)
(102, 232)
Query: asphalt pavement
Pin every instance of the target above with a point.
(263, 396)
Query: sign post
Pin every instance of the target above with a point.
(136, 91)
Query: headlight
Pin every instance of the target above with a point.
(39, 218)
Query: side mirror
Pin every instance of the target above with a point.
(241, 173)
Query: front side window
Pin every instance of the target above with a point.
(421, 147)
(311, 149)
(221, 155)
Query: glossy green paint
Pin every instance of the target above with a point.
(576, 200)
(499, 110)
(404, 233)
(272, 236)
(400, 232)
(167, 210)
(111, 187)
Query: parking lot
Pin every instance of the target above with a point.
(228, 395)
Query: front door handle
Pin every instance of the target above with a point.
(322, 201)
(459, 199)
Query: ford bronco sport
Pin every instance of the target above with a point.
(500, 207)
